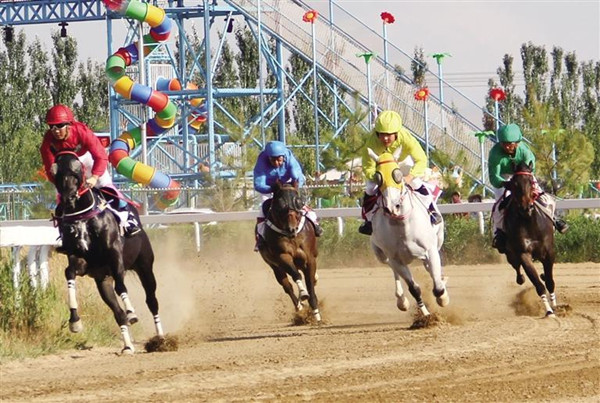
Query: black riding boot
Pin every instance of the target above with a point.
(318, 230)
(57, 218)
(561, 225)
(368, 202)
(132, 226)
(499, 241)
(434, 216)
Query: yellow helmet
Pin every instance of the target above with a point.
(388, 122)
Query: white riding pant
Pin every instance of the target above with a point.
(428, 199)
(104, 180)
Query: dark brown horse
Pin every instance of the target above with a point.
(530, 235)
(290, 246)
(95, 247)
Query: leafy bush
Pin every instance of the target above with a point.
(581, 243)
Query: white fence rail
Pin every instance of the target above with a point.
(201, 217)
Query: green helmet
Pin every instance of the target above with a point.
(388, 122)
(509, 133)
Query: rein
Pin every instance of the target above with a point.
(275, 228)
(85, 213)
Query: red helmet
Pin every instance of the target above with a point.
(59, 114)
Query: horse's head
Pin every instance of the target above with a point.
(521, 186)
(69, 175)
(286, 207)
(389, 176)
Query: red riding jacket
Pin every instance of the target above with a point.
(81, 139)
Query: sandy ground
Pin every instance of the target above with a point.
(237, 341)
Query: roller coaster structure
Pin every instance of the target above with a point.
(325, 46)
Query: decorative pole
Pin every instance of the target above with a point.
(421, 95)
(497, 94)
(368, 56)
(311, 16)
(438, 58)
(387, 18)
(481, 136)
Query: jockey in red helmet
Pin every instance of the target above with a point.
(67, 134)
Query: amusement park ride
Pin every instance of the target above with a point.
(163, 125)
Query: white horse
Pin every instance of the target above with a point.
(402, 231)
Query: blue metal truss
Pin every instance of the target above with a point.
(179, 146)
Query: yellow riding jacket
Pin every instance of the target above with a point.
(410, 146)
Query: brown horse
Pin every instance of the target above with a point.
(530, 235)
(290, 246)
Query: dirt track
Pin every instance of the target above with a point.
(236, 341)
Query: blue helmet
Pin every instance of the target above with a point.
(275, 149)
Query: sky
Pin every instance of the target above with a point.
(476, 34)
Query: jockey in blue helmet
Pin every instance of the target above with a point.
(276, 162)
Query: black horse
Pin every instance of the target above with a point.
(290, 246)
(92, 240)
(529, 235)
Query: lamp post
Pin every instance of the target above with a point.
(438, 58)
(553, 154)
(481, 136)
(421, 95)
(311, 16)
(497, 94)
(387, 18)
(367, 56)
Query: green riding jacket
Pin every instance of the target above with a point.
(500, 163)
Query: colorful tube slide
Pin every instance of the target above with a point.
(165, 110)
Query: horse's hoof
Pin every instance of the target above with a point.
(299, 306)
(127, 351)
(520, 279)
(75, 327)
(132, 318)
(403, 303)
(444, 299)
(550, 314)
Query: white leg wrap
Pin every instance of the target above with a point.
(549, 311)
(553, 300)
(72, 294)
(158, 326)
(127, 344)
(127, 303)
(317, 315)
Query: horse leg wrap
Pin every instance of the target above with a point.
(302, 289)
(549, 311)
(127, 344)
(316, 315)
(158, 326)
(131, 316)
(72, 294)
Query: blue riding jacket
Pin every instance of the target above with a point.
(265, 174)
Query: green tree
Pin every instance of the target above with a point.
(418, 66)
(93, 87)
(19, 119)
(590, 105)
(63, 78)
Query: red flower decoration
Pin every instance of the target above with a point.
(422, 94)
(310, 16)
(387, 18)
(497, 94)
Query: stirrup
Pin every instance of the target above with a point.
(366, 228)
(561, 226)
(435, 217)
(318, 230)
